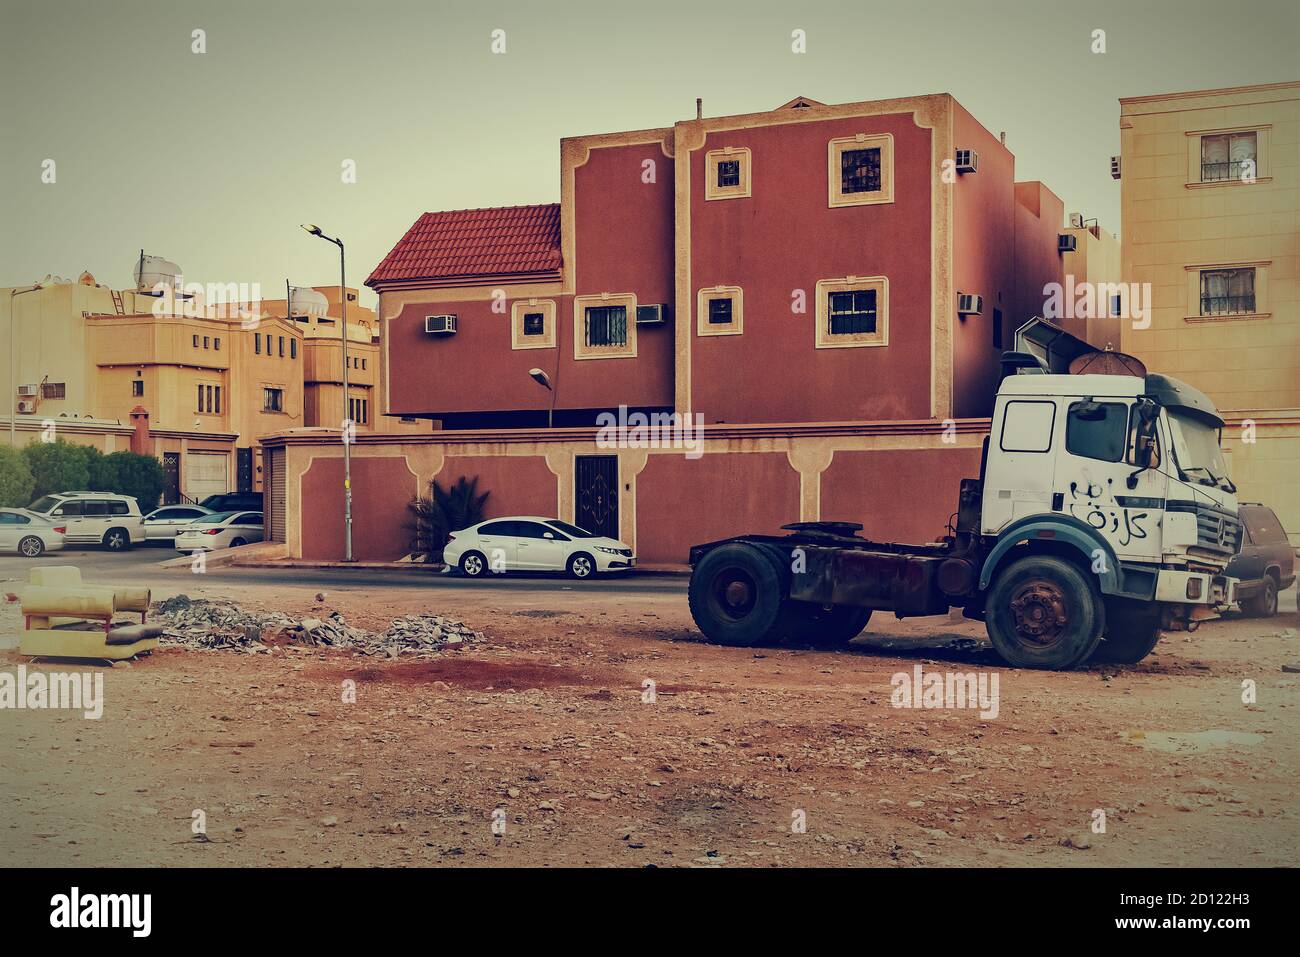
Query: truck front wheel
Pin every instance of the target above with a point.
(1132, 631)
(736, 596)
(1043, 612)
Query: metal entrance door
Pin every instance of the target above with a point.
(596, 494)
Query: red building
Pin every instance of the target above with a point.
(827, 288)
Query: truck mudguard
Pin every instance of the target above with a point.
(1095, 552)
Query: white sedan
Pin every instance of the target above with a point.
(164, 524)
(29, 533)
(220, 530)
(530, 543)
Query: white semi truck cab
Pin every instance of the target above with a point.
(1103, 515)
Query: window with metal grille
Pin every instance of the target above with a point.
(1227, 292)
(1226, 156)
(606, 325)
(272, 400)
(720, 312)
(534, 324)
(53, 390)
(860, 171)
(729, 173)
(852, 312)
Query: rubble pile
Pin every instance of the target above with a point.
(200, 623)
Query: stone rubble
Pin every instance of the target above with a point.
(218, 625)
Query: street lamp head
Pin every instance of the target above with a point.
(311, 228)
(540, 377)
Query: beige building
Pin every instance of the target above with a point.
(1210, 193)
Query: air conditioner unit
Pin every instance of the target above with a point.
(654, 315)
(1114, 167)
(969, 304)
(1076, 220)
(968, 161)
(442, 325)
(1066, 243)
(29, 390)
(27, 406)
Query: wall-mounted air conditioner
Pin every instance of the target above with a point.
(441, 325)
(29, 389)
(968, 161)
(1076, 220)
(27, 406)
(1114, 167)
(653, 315)
(1066, 243)
(969, 304)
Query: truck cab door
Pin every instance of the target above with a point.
(1018, 475)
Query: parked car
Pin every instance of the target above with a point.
(234, 502)
(28, 533)
(1266, 563)
(530, 543)
(91, 518)
(163, 524)
(220, 530)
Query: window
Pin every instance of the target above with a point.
(363, 364)
(601, 326)
(852, 312)
(1027, 426)
(216, 344)
(1226, 156)
(13, 518)
(268, 343)
(606, 325)
(1227, 292)
(54, 390)
(272, 400)
(94, 507)
(499, 528)
(532, 324)
(281, 347)
(217, 400)
(137, 387)
(293, 348)
(536, 530)
(196, 342)
(257, 344)
(997, 328)
(721, 311)
(1097, 430)
(727, 173)
(860, 170)
(118, 508)
(359, 410)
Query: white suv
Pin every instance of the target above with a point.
(94, 517)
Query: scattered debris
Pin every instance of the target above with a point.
(209, 625)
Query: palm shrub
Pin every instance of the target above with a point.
(443, 511)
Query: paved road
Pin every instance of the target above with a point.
(140, 565)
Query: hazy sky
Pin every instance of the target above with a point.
(213, 160)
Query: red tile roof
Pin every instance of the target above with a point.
(475, 242)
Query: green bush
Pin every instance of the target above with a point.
(60, 466)
(128, 473)
(16, 482)
(436, 516)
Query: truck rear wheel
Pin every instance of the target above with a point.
(810, 624)
(1131, 634)
(1043, 612)
(736, 596)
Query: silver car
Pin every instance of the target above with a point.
(164, 524)
(29, 534)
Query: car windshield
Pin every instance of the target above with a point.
(1196, 450)
(44, 504)
(571, 530)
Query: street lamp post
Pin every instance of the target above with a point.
(348, 427)
(542, 379)
(13, 382)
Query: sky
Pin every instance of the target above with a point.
(213, 159)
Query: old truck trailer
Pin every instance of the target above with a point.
(1102, 515)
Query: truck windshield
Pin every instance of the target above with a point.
(1196, 451)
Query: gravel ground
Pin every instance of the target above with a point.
(540, 745)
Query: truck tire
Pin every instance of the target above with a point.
(1132, 631)
(808, 623)
(1263, 605)
(1043, 612)
(737, 596)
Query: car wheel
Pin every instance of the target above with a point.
(581, 565)
(1043, 612)
(117, 539)
(473, 564)
(236, 542)
(31, 547)
(1263, 605)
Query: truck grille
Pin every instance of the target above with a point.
(1218, 532)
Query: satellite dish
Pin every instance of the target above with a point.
(1107, 362)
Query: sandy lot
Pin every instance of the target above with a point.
(544, 730)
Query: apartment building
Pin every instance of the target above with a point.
(1210, 187)
(826, 289)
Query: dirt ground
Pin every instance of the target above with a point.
(547, 721)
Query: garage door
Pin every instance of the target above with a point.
(206, 473)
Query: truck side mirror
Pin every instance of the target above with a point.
(1146, 450)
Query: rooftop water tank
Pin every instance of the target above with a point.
(305, 301)
(151, 271)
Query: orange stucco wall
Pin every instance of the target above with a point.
(381, 488)
(518, 485)
(1040, 215)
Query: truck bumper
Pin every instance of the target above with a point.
(1195, 588)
